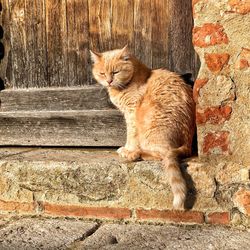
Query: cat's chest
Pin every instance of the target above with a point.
(126, 101)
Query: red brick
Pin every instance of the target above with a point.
(242, 200)
(209, 34)
(17, 206)
(87, 212)
(222, 218)
(240, 6)
(217, 140)
(199, 83)
(243, 61)
(170, 215)
(215, 62)
(213, 115)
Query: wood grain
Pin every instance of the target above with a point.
(79, 69)
(18, 43)
(47, 68)
(36, 74)
(5, 68)
(56, 28)
(122, 23)
(50, 39)
(55, 99)
(100, 21)
(71, 128)
(161, 42)
(143, 31)
(182, 53)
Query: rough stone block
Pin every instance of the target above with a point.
(230, 173)
(243, 61)
(80, 181)
(217, 91)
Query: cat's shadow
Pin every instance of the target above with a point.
(191, 190)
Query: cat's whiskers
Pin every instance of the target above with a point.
(101, 90)
(120, 85)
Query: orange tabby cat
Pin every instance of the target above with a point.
(158, 109)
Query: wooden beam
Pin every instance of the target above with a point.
(89, 97)
(71, 128)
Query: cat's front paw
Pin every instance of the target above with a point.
(129, 155)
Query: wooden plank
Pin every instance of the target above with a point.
(56, 28)
(71, 128)
(35, 36)
(18, 43)
(78, 43)
(159, 36)
(100, 19)
(92, 97)
(84, 69)
(142, 31)
(122, 23)
(6, 72)
(182, 51)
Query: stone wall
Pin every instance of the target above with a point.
(221, 37)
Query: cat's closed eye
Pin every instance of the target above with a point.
(115, 72)
(102, 73)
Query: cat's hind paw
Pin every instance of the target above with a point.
(129, 155)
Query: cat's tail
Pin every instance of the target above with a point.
(176, 180)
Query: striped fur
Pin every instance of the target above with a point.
(158, 109)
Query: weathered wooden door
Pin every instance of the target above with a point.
(49, 97)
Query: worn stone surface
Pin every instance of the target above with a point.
(230, 173)
(96, 178)
(46, 233)
(164, 237)
(74, 176)
(97, 184)
(216, 91)
(32, 233)
(221, 39)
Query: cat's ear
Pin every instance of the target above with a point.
(125, 53)
(95, 57)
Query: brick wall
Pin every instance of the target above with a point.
(221, 37)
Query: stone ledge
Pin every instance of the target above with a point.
(97, 184)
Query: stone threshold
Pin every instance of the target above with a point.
(97, 184)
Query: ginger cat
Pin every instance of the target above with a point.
(159, 111)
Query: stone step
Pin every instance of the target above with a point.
(74, 234)
(95, 183)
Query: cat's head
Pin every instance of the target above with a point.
(113, 69)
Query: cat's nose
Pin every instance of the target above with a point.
(109, 81)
